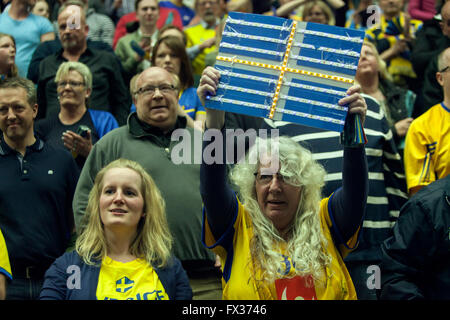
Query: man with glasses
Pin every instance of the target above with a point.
(146, 139)
(109, 92)
(202, 35)
(36, 191)
(427, 147)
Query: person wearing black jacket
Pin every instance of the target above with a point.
(416, 259)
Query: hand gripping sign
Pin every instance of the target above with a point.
(290, 71)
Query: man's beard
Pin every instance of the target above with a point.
(69, 44)
(209, 17)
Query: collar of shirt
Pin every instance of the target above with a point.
(205, 25)
(87, 52)
(139, 129)
(5, 149)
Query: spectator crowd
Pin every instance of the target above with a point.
(92, 93)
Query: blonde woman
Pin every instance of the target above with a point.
(396, 102)
(76, 126)
(278, 239)
(124, 252)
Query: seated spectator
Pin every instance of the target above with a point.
(27, 29)
(170, 54)
(129, 22)
(41, 8)
(396, 102)
(127, 237)
(416, 258)
(8, 66)
(109, 92)
(134, 49)
(74, 85)
(186, 13)
(431, 40)
(393, 37)
(427, 147)
(5, 267)
(202, 35)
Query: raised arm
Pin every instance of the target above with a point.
(218, 198)
(349, 202)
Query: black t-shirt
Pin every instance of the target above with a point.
(51, 129)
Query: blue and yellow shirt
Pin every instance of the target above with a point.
(385, 34)
(238, 279)
(190, 102)
(427, 147)
(134, 280)
(196, 35)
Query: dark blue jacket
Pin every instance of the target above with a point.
(59, 276)
(416, 259)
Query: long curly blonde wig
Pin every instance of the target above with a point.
(153, 241)
(305, 242)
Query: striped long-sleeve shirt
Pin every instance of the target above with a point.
(387, 187)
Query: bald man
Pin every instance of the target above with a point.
(146, 139)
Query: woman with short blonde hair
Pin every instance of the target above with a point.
(76, 126)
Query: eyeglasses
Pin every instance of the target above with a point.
(265, 179)
(445, 69)
(73, 84)
(150, 90)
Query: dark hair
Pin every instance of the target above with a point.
(18, 82)
(179, 50)
(171, 26)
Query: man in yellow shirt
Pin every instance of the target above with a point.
(201, 36)
(427, 147)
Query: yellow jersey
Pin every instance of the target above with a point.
(238, 279)
(134, 280)
(427, 147)
(5, 266)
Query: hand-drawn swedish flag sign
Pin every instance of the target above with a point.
(286, 70)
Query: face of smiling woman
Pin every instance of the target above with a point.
(121, 200)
